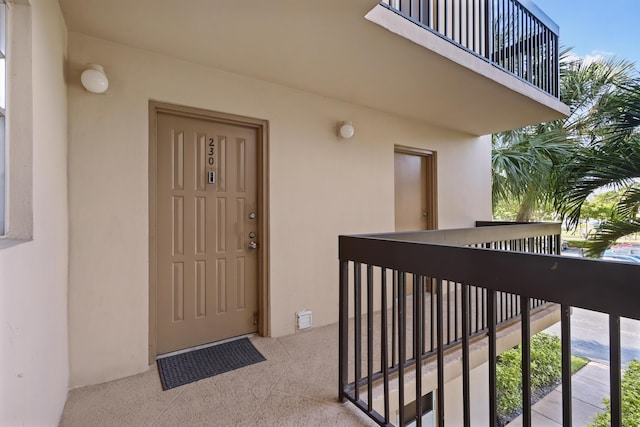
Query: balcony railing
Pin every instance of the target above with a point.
(514, 35)
(405, 298)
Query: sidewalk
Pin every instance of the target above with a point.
(589, 385)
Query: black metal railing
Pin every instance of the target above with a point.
(406, 298)
(514, 35)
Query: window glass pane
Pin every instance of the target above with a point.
(3, 28)
(3, 72)
(3, 166)
(2, 176)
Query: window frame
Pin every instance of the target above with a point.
(18, 135)
(3, 114)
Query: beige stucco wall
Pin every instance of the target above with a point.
(34, 369)
(479, 401)
(320, 187)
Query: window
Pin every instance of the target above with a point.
(16, 123)
(3, 148)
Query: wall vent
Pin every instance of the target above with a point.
(305, 319)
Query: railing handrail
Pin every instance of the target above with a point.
(536, 12)
(530, 6)
(608, 287)
(471, 236)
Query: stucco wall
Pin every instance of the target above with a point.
(320, 187)
(479, 402)
(34, 369)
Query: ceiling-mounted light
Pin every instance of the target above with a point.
(94, 79)
(345, 130)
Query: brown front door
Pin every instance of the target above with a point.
(207, 223)
(414, 190)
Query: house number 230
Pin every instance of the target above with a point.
(212, 152)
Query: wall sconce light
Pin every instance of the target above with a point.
(345, 130)
(94, 79)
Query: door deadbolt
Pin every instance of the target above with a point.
(252, 215)
(252, 235)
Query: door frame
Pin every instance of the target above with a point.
(262, 128)
(431, 159)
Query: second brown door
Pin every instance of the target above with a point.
(414, 191)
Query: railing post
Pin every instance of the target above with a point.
(402, 342)
(488, 29)
(466, 401)
(343, 328)
(384, 346)
(491, 319)
(565, 314)
(440, 351)
(370, 337)
(556, 57)
(615, 371)
(357, 327)
(418, 338)
(394, 316)
(526, 361)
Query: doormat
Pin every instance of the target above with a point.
(207, 362)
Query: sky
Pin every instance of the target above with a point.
(596, 27)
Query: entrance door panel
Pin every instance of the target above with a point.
(207, 220)
(411, 192)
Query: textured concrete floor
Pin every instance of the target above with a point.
(296, 386)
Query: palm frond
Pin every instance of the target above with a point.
(607, 233)
(610, 165)
(629, 204)
(564, 161)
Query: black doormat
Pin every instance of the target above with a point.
(195, 365)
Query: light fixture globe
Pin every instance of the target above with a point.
(94, 79)
(346, 130)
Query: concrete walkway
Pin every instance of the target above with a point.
(589, 386)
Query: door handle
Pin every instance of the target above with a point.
(253, 245)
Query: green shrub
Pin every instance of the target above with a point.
(546, 368)
(508, 381)
(630, 399)
(546, 359)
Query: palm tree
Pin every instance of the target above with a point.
(609, 159)
(523, 162)
(528, 163)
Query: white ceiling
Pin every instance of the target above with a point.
(321, 46)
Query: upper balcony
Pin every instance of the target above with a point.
(514, 35)
(497, 61)
(475, 66)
